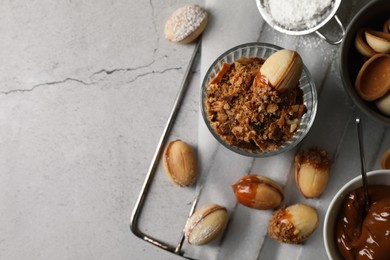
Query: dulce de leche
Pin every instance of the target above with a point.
(367, 238)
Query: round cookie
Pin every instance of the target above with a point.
(186, 24)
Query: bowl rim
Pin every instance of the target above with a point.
(268, 18)
(243, 152)
(344, 73)
(338, 197)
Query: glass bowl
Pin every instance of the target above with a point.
(263, 51)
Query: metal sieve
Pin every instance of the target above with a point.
(304, 27)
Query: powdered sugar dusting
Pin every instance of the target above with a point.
(298, 14)
(185, 21)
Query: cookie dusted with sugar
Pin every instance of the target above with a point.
(186, 24)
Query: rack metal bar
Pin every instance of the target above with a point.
(153, 166)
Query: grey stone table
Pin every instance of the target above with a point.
(86, 90)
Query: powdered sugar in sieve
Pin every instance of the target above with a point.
(298, 15)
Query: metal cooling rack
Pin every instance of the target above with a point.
(135, 217)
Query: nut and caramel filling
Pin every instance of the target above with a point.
(247, 112)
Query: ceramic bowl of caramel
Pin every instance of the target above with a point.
(351, 233)
(371, 18)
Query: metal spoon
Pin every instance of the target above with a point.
(363, 165)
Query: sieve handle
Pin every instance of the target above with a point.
(334, 42)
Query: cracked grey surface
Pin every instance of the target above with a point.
(86, 89)
(136, 77)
